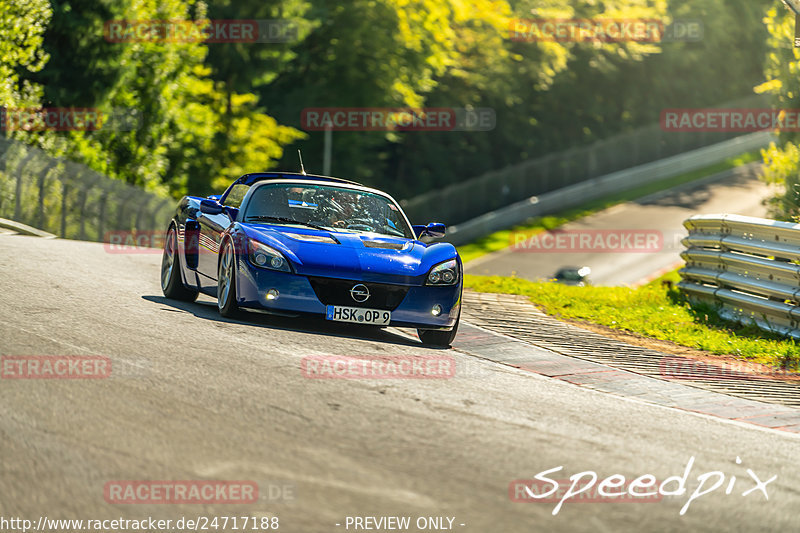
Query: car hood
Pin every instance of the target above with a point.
(357, 256)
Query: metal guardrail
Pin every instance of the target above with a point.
(596, 188)
(460, 202)
(70, 200)
(749, 268)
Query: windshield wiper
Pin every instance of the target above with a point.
(264, 218)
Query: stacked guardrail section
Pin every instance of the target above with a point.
(748, 267)
(71, 200)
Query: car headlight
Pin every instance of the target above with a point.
(443, 274)
(264, 256)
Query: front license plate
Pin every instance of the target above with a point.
(358, 315)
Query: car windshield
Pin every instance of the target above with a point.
(326, 207)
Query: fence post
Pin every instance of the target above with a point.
(102, 216)
(156, 224)
(142, 208)
(42, 183)
(4, 149)
(18, 192)
(64, 193)
(82, 195)
(87, 179)
(124, 210)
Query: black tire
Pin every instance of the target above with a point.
(226, 283)
(435, 337)
(171, 284)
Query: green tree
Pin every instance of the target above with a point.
(177, 140)
(782, 159)
(22, 26)
(386, 53)
(208, 112)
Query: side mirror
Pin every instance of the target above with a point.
(210, 207)
(434, 229)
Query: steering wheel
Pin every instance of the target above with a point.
(363, 224)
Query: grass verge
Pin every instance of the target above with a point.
(501, 239)
(655, 311)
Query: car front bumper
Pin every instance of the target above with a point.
(296, 295)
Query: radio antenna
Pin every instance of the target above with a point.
(302, 168)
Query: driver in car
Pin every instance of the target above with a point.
(345, 205)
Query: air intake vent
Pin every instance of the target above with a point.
(386, 245)
(337, 292)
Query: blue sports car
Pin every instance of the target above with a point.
(303, 245)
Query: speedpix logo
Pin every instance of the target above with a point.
(646, 488)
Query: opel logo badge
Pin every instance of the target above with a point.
(359, 293)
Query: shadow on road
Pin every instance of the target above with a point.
(207, 310)
(692, 195)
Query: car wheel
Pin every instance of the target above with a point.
(171, 284)
(436, 337)
(226, 283)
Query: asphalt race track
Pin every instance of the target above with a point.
(737, 191)
(192, 396)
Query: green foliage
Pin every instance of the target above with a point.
(210, 111)
(22, 26)
(781, 166)
(782, 159)
(191, 129)
(652, 310)
(547, 96)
